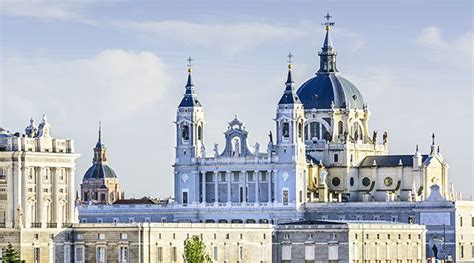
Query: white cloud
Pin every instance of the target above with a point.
(114, 82)
(46, 10)
(454, 51)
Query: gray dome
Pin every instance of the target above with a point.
(322, 90)
(99, 171)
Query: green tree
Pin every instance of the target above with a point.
(195, 251)
(10, 254)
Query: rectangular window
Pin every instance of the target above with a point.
(263, 177)
(67, 253)
(460, 221)
(37, 255)
(285, 197)
(309, 252)
(159, 254)
(472, 222)
(286, 252)
(123, 236)
(123, 255)
(79, 255)
(215, 254)
(101, 257)
(174, 254)
(333, 252)
(236, 177)
(101, 236)
(223, 179)
(336, 158)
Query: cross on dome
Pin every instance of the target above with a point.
(328, 23)
(190, 65)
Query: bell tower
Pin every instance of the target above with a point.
(189, 143)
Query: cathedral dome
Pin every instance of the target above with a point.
(327, 89)
(324, 90)
(99, 171)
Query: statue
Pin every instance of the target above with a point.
(19, 217)
(185, 133)
(257, 148)
(203, 151)
(327, 136)
(356, 135)
(236, 150)
(216, 150)
(384, 137)
(346, 135)
(271, 137)
(374, 137)
(322, 177)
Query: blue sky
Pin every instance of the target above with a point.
(124, 63)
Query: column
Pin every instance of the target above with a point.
(256, 175)
(39, 195)
(229, 177)
(275, 192)
(203, 185)
(10, 209)
(18, 192)
(269, 179)
(70, 197)
(216, 187)
(24, 206)
(55, 190)
(244, 188)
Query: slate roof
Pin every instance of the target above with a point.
(289, 97)
(389, 160)
(322, 90)
(314, 222)
(133, 201)
(190, 98)
(99, 171)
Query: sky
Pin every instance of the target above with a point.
(124, 63)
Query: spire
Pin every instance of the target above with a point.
(100, 152)
(289, 96)
(99, 141)
(189, 99)
(434, 147)
(328, 53)
(433, 139)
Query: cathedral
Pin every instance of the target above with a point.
(322, 151)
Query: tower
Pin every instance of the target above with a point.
(189, 143)
(290, 146)
(100, 184)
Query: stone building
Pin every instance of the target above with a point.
(348, 241)
(36, 189)
(100, 184)
(163, 242)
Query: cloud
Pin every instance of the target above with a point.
(114, 82)
(46, 10)
(453, 51)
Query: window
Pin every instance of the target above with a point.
(101, 257)
(309, 252)
(131, 219)
(123, 236)
(101, 236)
(336, 181)
(285, 197)
(67, 253)
(174, 254)
(37, 255)
(300, 130)
(460, 221)
(472, 222)
(411, 219)
(123, 254)
(159, 254)
(79, 258)
(336, 158)
(286, 130)
(3, 174)
(286, 252)
(79, 236)
(241, 253)
(215, 254)
(199, 132)
(340, 128)
(185, 132)
(263, 177)
(461, 251)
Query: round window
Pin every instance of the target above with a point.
(388, 181)
(351, 181)
(366, 181)
(336, 181)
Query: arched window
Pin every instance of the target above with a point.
(340, 128)
(3, 174)
(199, 132)
(300, 130)
(185, 133)
(286, 130)
(317, 130)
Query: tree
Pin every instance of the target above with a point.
(10, 254)
(195, 250)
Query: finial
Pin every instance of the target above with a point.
(45, 118)
(290, 56)
(100, 131)
(190, 65)
(328, 24)
(417, 148)
(433, 139)
(32, 121)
